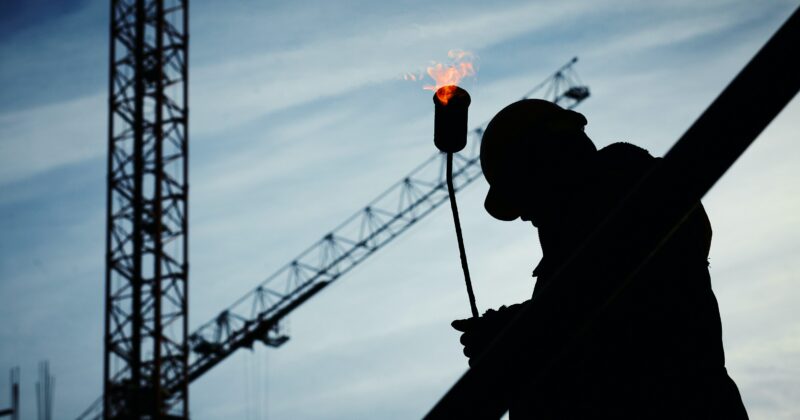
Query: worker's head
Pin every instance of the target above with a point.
(531, 152)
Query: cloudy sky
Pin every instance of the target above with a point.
(299, 117)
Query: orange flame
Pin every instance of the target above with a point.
(448, 75)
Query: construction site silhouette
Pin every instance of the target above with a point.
(622, 322)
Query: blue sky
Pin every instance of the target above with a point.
(304, 99)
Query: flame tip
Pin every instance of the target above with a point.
(444, 75)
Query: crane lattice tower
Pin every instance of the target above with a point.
(145, 344)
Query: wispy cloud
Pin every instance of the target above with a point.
(49, 136)
(265, 82)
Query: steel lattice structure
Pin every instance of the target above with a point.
(257, 315)
(146, 243)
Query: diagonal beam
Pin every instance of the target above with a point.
(669, 193)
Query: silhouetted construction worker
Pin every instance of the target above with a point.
(658, 351)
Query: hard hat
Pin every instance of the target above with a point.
(538, 130)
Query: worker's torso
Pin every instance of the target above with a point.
(657, 353)
(667, 321)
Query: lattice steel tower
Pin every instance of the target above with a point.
(146, 243)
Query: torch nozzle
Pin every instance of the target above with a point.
(450, 118)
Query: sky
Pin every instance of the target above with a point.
(299, 116)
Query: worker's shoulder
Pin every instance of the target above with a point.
(623, 159)
(619, 166)
(623, 153)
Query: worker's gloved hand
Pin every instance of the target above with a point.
(478, 333)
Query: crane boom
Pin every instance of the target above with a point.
(257, 315)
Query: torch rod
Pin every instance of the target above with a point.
(461, 250)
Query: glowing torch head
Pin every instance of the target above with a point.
(450, 118)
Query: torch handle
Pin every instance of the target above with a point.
(453, 206)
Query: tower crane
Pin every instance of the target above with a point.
(145, 340)
(257, 315)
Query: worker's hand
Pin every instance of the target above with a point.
(478, 333)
